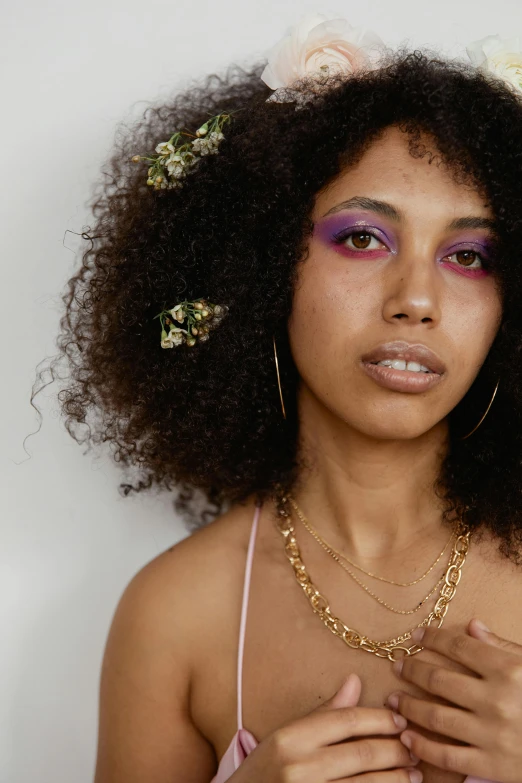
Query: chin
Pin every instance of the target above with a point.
(394, 432)
(390, 426)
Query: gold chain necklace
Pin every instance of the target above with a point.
(354, 577)
(368, 573)
(393, 649)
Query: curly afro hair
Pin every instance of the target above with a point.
(206, 420)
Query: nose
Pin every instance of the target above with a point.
(412, 291)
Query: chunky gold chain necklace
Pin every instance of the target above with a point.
(334, 554)
(393, 649)
(368, 573)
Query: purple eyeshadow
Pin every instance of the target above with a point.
(326, 230)
(484, 248)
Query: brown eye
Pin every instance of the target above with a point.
(361, 241)
(466, 257)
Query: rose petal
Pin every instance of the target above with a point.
(316, 41)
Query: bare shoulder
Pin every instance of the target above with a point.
(167, 615)
(206, 564)
(182, 582)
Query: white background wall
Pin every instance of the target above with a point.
(69, 543)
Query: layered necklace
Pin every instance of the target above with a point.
(393, 649)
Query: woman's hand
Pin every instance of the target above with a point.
(488, 715)
(337, 741)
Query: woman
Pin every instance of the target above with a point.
(355, 408)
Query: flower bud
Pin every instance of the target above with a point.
(191, 341)
(194, 330)
(197, 316)
(150, 181)
(203, 130)
(198, 306)
(204, 313)
(159, 179)
(135, 158)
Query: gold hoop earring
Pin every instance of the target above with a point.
(279, 379)
(463, 438)
(486, 413)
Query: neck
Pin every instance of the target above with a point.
(372, 499)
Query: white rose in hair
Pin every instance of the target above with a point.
(322, 46)
(500, 57)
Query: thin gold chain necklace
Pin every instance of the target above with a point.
(392, 649)
(368, 573)
(355, 578)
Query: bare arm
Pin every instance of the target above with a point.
(145, 733)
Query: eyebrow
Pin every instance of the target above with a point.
(389, 211)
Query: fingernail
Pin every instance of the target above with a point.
(415, 775)
(406, 740)
(481, 625)
(393, 701)
(417, 634)
(400, 721)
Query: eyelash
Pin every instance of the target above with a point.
(342, 236)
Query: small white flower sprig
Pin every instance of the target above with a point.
(201, 316)
(177, 157)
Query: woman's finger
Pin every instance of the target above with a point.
(485, 659)
(321, 728)
(477, 629)
(449, 721)
(466, 690)
(458, 758)
(406, 775)
(353, 758)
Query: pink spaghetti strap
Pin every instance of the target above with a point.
(244, 607)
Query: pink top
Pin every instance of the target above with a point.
(243, 742)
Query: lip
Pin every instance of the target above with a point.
(404, 380)
(410, 352)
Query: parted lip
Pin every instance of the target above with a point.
(410, 352)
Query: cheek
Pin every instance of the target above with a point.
(473, 325)
(331, 288)
(328, 311)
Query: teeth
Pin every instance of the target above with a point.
(400, 364)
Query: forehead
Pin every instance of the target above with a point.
(415, 185)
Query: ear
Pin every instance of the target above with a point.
(477, 629)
